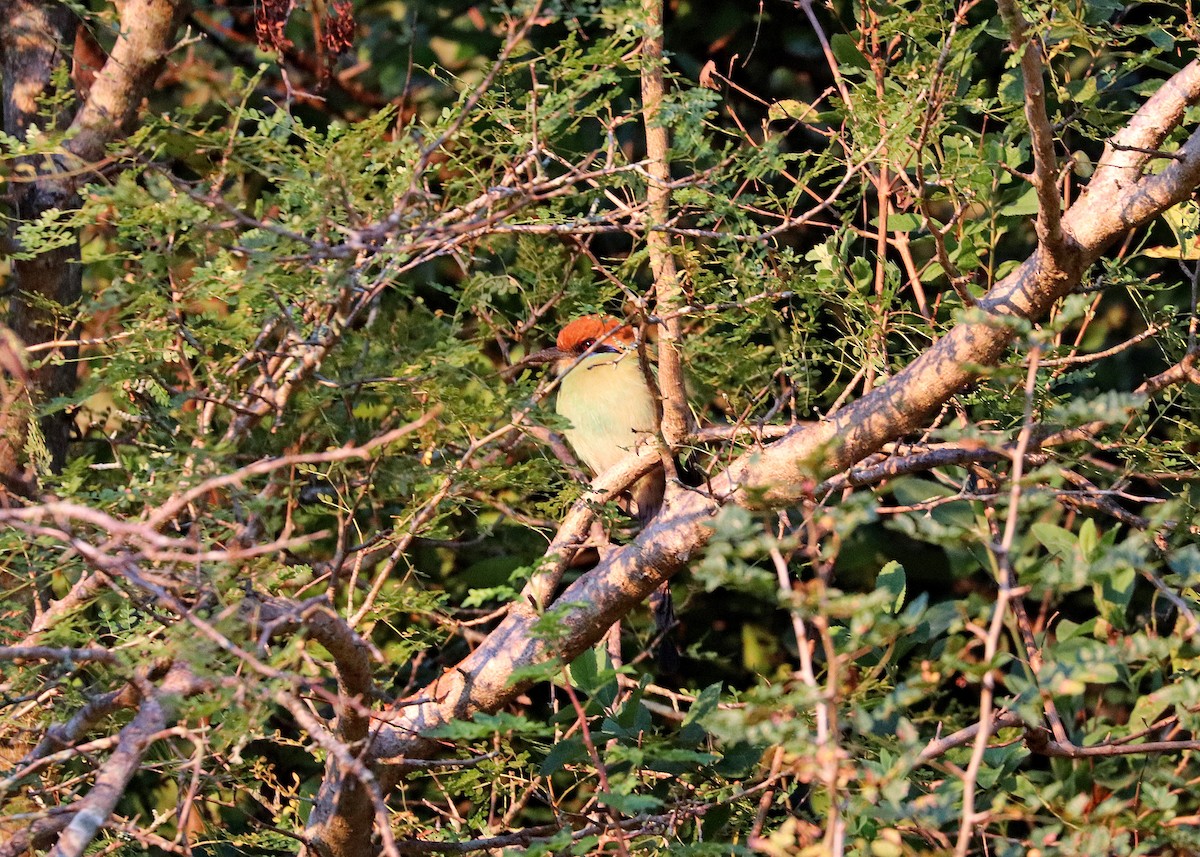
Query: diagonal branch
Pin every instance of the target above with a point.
(147, 30)
(1129, 151)
(352, 654)
(92, 811)
(176, 504)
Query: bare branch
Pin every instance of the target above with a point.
(1131, 149)
(1045, 168)
(30, 766)
(50, 653)
(351, 794)
(65, 734)
(939, 746)
(176, 504)
(93, 811)
(1039, 742)
(1078, 359)
(676, 417)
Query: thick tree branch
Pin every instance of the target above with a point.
(1130, 150)
(19, 654)
(780, 473)
(349, 782)
(573, 530)
(352, 655)
(147, 31)
(114, 775)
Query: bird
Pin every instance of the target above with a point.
(608, 402)
(612, 410)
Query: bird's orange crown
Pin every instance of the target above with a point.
(578, 336)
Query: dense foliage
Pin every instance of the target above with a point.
(305, 281)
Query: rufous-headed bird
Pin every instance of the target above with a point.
(613, 411)
(608, 402)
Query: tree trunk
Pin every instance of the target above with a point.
(42, 291)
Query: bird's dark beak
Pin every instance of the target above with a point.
(538, 358)
(546, 355)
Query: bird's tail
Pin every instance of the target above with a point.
(663, 610)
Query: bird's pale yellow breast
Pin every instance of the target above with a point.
(610, 408)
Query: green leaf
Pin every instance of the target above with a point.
(691, 731)
(1088, 539)
(892, 580)
(1024, 205)
(846, 52)
(904, 222)
(629, 804)
(1055, 539)
(791, 108)
(563, 753)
